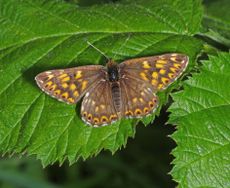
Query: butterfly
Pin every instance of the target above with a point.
(114, 91)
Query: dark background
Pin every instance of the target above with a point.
(144, 162)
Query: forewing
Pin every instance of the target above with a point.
(69, 85)
(97, 107)
(138, 98)
(160, 71)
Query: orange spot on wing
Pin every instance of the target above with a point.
(177, 65)
(65, 95)
(160, 86)
(141, 100)
(96, 120)
(138, 111)
(89, 117)
(53, 87)
(57, 92)
(128, 113)
(84, 114)
(151, 105)
(96, 109)
(171, 75)
(146, 65)
(48, 84)
(64, 85)
(78, 75)
(154, 82)
(173, 69)
(50, 76)
(143, 76)
(104, 119)
(102, 106)
(134, 100)
(146, 110)
(84, 84)
(161, 61)
(165, 80)
(162, 71)
(113, 117)
(158, 65)
(173, 59)
(62, 76)
(71, 100)
(66, 79)
(75, 93)
(155, 75)
(72, 87)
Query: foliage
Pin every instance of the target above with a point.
(201, 112)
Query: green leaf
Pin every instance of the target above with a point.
(201, 112)
(216, 21)
(41, 35)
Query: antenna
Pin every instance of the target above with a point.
(98, 50)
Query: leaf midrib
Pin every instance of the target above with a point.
(71, 34)
(202, 157)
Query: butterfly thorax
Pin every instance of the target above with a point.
(112, 70)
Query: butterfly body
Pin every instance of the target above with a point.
(113, 75)
(120, 90)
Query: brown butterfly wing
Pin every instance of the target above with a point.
(138, 97)
(159, 71)
(69, 85)
(97, 107)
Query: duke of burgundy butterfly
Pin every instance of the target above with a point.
(114, 91)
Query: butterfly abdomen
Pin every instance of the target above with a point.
(116, 96)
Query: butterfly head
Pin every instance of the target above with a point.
(112, 70)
